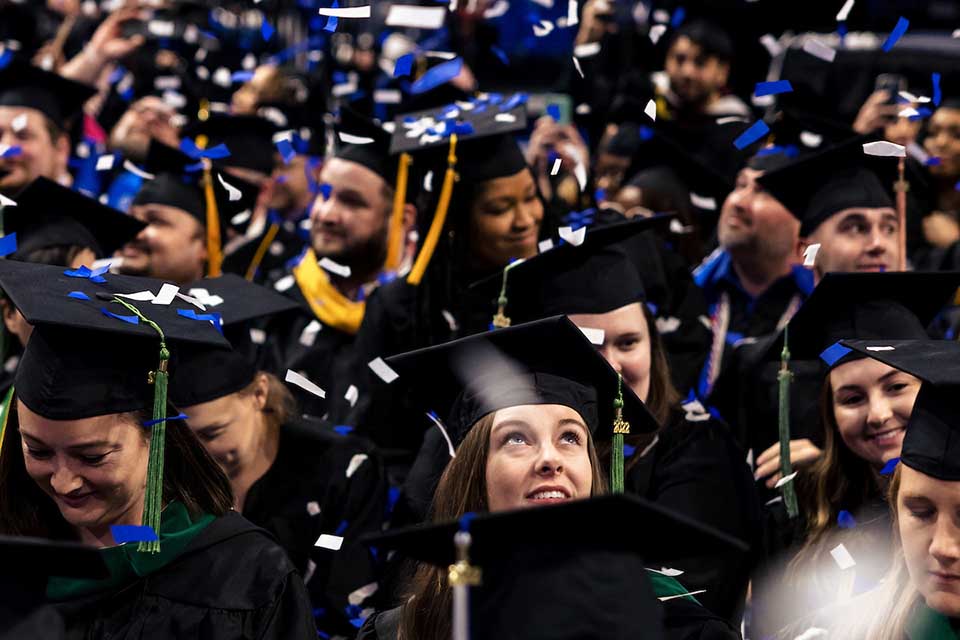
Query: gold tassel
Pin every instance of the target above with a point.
(5, 416)
(439, 217)
(261, 251)
(395, 237)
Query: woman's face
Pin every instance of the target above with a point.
(626, 343)
(943, 141)
(505, 220)
(538, 454)
(230, 429)
(872, 404)
(94, 469)
(928, 514)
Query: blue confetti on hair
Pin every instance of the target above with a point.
(343, 429)
(438, 75)
(127, 319)
(890, 467)
(403, 66)
(833, 353)
(266, 30)
(151, 423)
(896, 34)
(79, 295)
(12, 151)
(501, 55)
(628, 451)
(286, 150)
(123, 533)
(8, 244)
(772, 88)
(466, 519)
(677, 18)
(756, 131)
(937, 94)
(845, 520)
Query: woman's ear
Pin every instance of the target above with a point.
(261, 392)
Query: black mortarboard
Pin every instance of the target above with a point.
(572, 570)
(894, 305)
(365, 142)
(841, 177)
(306, 126)
(596, 276)
(49, 215)
(248, 138)
(795, 134)
(932, 442)
(202, 375)
(88, 355)
(23, 85)
(544, 362)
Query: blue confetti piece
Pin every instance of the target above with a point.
(12, 151)
(896, 34)
(890, 467)
(600, 195)
(286, 150)
(833, 353)
(190, 148)
(8, 244)
(342, 528)
(466, 519)
(932, 161)
(515, 101)
(756, 131)
(772, 88)
(501, 55)
(325, 190)
(403, 66)
(628, 451)
(845, 520)
(645, 133)
(85, 272)
(677, 18)
(127, 319)
(653, 308)
(332, 22)
(438, 75)
(212, 318)
(123, 533)
(553, 110)
(241, 76)
(151, 423)
(343, 429)
(842, 30)
(79, 295)
(5, 58)
(266, 30)
(956, 187)
(937, 95)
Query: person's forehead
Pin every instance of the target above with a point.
(174, 215)
(341, 173)
(946, 115)
(873, 214)
(33, 117)
(536, 414)
(64, 432)
(684, 44)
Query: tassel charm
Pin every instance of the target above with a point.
(461, 577)
(621, 428)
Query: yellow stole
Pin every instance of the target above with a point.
(331, 307)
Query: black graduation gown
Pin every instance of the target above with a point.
(232, 581)
(308, 492)
(696, 469)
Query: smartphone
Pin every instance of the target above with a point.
(558, 105)
(892, 83)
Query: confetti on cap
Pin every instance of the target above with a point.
(896, 34)
(123, 533)
(8, 244)
(833, 353)
(438, 75)
(301, 381)
(885, 149)
(772, 88)
(756, 131)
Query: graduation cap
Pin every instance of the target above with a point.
(795, 133)
(204, 374)
(893, 305)
(307, 130)
(59, 99)
(365, 142)
(595, 276)
(544, 362)
(571, 570)
(248, 138)
(94, 352)
(840, 177)
(49, 215)
(932, 442)
(472, 139)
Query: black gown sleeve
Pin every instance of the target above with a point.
(291, 615)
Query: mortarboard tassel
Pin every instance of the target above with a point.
(461, 577)
(153, 497)
(214, 246)
(784, 377)
(900, 187)
(261, 251)
(620, 428)
(395, 237)
(4, 415)
(500, 320)
(439, 217)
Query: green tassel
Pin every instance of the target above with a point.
(620, 428)
(153, 497)
(4, 415)
(784, 377)
(500, 319)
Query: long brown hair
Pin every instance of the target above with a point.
(280, 404)
(425, 614)
(190, 476)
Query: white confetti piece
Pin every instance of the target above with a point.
(428, 182)
(161, 28)
(352, 139)
(233, 194)
(223, 78)
(785, 480)
(383, 370)
(586, 50)
(694, 411)
(301, 381)
(137, 171)
(346, 12)
(313, 508)
(203, 297)
(572, 11)
(771, 45)
(451, 321)
(403, 15)
(110, 263)
(732, 119)
(352, 395)
(105, 162)
(573, 237)
(545, 245)
(656, 32)
(842, 557)
(19, 123)
(355, 462)
(845, 11)
(241, 218)
(387, 96)
(884, 348)
(139, 296)
(357, 597)
(327, 541)
(667, 325)
(703, 202)
(284, 283)
(308, 337)
(813, 632)
(555, 169)
(580, 173)
(6, 202)
(885, 149)
(810, 139)
(336, 268)
(166, 82)
(664, 571)
(595, 336)
(258, 336)
(681, 595)
(909, 112)
(818, 49)
(505, 117)
(651, 110)
(679, 228)
(810, 255)
(166, 294)
(543, 28)
(576, 65)
(498, 9)
(443, 432)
